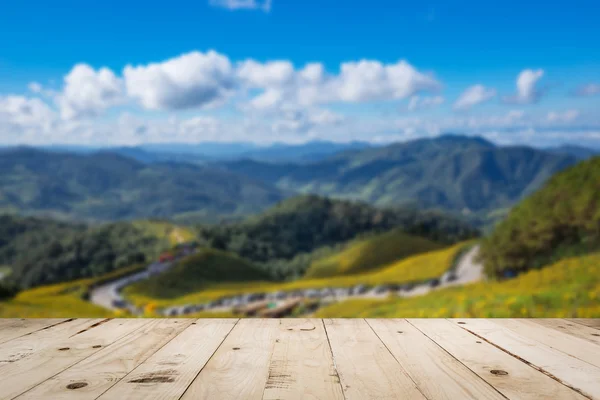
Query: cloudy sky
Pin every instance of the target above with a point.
(122, 73)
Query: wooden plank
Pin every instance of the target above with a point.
(366, 368)
(591, 322)
(574, 329)
(24, 374)
(11, 328)
(25, 346)
(520, 381)
(239, 368)
(437, 374)
(302, 364)
(569, 370)
(105, 368)
(560, 341)
(167, 373)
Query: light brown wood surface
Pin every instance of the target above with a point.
(331, 359)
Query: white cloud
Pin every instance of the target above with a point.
(191, 80)
(421, 103)
(88, 92)
(527, 90)
(264, 5)
(357, 82)
(473, 96)
(567, 116)
(590, 89)
(267, 75)
(26, 112)
(373, 81)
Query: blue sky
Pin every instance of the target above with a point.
(431, 55)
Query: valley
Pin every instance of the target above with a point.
(306, 254)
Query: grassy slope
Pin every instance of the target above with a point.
(197, 272)
(413, 269)
(166, 230)
(61, 300)
(568, 288)
(369, 254)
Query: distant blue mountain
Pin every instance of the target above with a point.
(199, 153)
(582, 153)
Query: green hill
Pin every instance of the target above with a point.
(300, 226)
(40, 251)
(198, 271)
(107, 186)
(451, 172)
(369, 254)
(561, 219)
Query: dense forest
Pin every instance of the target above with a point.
(286, 238)
(561, 219)
(41, 251)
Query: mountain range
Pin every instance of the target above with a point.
(451, 172)
(109, 186)
(213, 151)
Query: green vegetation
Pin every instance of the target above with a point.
(569, 288)
(286, 239)
(166, 230)
(370, 254)
(414, 269)
(560, 220)
(197, 272)
(450, 172)
(43, 252)
(63, 300)
(107, 186)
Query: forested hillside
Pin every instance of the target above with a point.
(561, 219)
(108, 186)
(41, 251)
(450, 172)
(284, 236)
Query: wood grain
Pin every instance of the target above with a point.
(564, 342)
(109, 365)
(11, 328)
(25, 346)
(509, 375)
(239, 369)
(569, 370)
(366, 368)
(592, 323)
(574, 329)
(168, 373)
(332, 359)
(437, 374)
(301, 366)
(22, 375)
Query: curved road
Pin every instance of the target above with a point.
(109, 294)
(466, 271)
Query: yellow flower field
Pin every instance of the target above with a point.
(569, 288)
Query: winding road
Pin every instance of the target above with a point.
(109, 295)
(467, 271)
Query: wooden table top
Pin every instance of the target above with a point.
(299, 359)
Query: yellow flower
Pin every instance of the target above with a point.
(523, 311)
